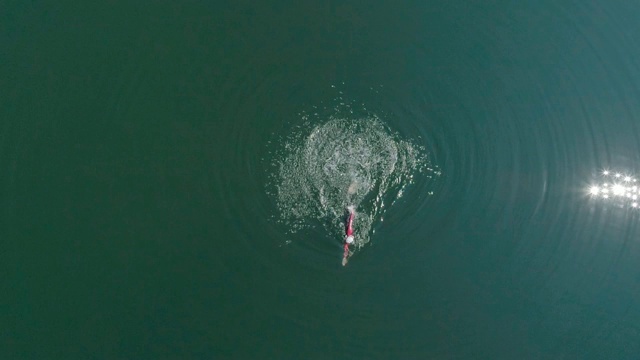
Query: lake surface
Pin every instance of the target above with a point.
(174, 175)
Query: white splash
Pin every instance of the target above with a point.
(343, 162)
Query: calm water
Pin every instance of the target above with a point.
(140, 148)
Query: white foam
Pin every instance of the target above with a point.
(343, 162)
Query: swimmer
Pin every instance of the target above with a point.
(349, 235)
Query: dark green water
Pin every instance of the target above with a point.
(137, 145)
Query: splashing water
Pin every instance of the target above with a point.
(341, 163)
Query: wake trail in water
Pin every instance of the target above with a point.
(343, 163)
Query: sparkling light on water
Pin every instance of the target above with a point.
(616, 188)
